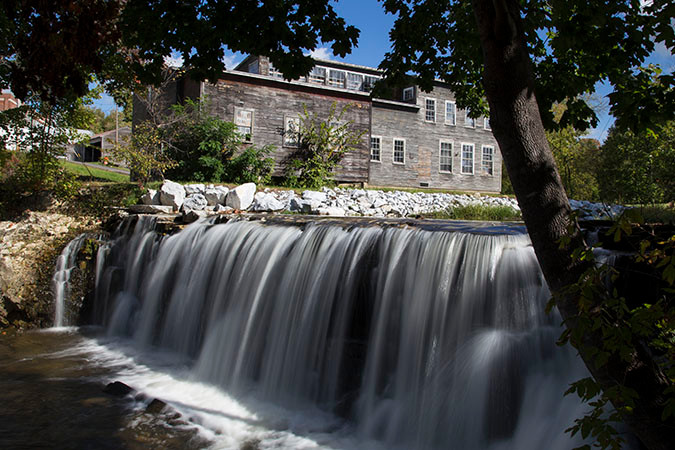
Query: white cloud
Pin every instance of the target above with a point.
(231, 61)
(321, 53)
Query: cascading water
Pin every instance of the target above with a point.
(419, 339)
(60, 281)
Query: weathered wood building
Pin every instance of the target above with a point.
(413, 139)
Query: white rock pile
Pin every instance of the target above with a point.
(198, 200)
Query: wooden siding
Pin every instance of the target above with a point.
(270, 104)
(422, 165)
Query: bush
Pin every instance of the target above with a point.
(252, 166)
(323, 144)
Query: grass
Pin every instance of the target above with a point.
(477, 212)
(88, 173)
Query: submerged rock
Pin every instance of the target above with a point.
(118, 389)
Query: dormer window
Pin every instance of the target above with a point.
(408, 93)
(336, 78)
(317, 75)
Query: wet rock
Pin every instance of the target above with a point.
(172, 194)
(150, 209)
(155, 406)
(241, 197)
(118, 389)
(193, 216)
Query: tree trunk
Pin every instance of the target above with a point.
(517, 126)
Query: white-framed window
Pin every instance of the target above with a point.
(467, 158)
(317, 75)
(354, 81)
(408, 93)
(450, 113)
(430, 109)
(445, 157)
(369, 83)
(243, 120)
(399, 151)
(468, 121)
(376, 148)
(291, 131)
(336, 78)
(486, 123)
(487, 163)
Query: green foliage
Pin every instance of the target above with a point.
(100, 121)
(577, 161)
(477, 212)
(572, 45)
(638, 167)
(143, 153)
(200, 144)
(625, 324)
(323, 142)
(251, 166)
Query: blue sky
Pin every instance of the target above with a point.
(369, 17)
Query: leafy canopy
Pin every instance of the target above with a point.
(573, 44)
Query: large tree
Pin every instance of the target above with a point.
(522, 57)
(516, 57)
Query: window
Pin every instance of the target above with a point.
(317, 75)
(375, 147)
(243, 120)
(369, 83)
(430, 110)
(254, 67)
(354, 81)
(467, 159)
(399, 151)
(408, 93)
(336, 78)
(487, 163)
(468, 121)
(291, 131)
(445, 157)
(486, 123)
(274, 72)
(450, 113)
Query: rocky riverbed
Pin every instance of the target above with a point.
(198, 200)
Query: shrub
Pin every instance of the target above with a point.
(477, 212)
(252, 165)
(323, 144)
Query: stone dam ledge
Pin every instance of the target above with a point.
(194, 201)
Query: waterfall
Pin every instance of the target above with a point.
(420, 339)
(65, 263)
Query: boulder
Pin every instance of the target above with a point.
(314, 196)
(155, 406)
(241, 197)
(267, 202)
(151, 198)
(216, 195)
(196, 188)
(195, 202)
(172, 194)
